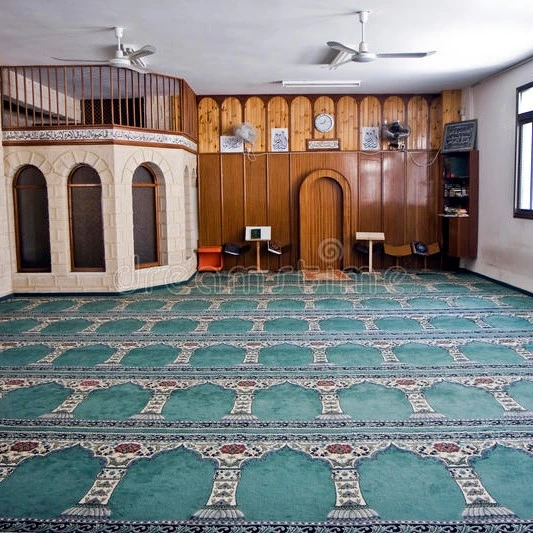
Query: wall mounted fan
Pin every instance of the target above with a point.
(124, 57)
(395, 132)
(363, 53)
(246, 132)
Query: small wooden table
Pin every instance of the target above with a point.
(258, 256)
(370, 236)
(258, 234)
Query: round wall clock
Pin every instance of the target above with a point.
(324, 122)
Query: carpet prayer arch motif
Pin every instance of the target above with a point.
(260, 402)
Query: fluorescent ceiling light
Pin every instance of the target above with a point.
(321, 83)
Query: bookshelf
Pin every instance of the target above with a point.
(459, 202)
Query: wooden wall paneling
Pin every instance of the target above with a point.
(433, 195)
(369, 205)
(232, 178)
(189, 111)
(301, 127)
(175, 109)
(280, 213)
(394, 209)
(434, 204)
(435, 191)
(208, 126)
(451, 106)
(422, 201)
(301, 164)
(350, 169)
(369, 192)
(325, 104)
(277, 115)
(230, 115)
(209, 200)
(393, 110)
(420, 225)
(369, 114)
(381, 198)
(418, 120)
(255, 114)
(435, 123)
(347, 123)
(394, 190)
(255, 201)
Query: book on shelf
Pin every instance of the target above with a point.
(455, 211)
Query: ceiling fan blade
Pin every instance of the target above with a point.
(127, 58)
(137, 68)
(364, 54)
(341, 47)
(146, 50)
(406, 55)
(103, 61)
(333, 66)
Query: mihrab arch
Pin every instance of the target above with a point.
(325, 220)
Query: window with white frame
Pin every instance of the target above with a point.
(524, 152)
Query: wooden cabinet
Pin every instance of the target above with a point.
(459, 203)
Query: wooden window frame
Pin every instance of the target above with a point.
(522, 119)
(16, 189)
(71, 186)
(157, 236)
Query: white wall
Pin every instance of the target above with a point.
(505, 248)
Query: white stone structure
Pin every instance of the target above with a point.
(114, 154)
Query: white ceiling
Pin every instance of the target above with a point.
(249, 46)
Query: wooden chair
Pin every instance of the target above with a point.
(210, 258)
(230, 248)
(425, 250)
(278, 250)
(397, 251)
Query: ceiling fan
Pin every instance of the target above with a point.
(124, 57)
(363, 54)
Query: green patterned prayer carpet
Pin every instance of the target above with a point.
(255, 403)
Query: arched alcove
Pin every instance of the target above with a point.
(325, 220)
(146, 232)
(32, 221)
(86, 220)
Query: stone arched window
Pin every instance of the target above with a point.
(31, 221)
(86, 220)
(145, 218)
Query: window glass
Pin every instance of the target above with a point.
(523, 207)
(145, 218)
(524, 178)
(86, 220)
(32, 223)
(525, 100)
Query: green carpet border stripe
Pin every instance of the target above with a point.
(363, 526)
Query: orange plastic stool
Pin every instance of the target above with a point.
(210, 258)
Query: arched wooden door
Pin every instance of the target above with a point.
(324, 220)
